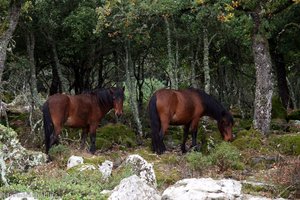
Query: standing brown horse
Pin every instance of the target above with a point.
(185, 107)
(80, 111)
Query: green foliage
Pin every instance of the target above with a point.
(197, 161)
(60, 154)
(112, 134)
(225, 156)
(286, 144)
(248, 139)
(278, 111)
(294, 115)
(78, 185)
(166, 177)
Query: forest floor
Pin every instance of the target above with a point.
(271, 161)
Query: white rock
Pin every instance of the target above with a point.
(74, 161)
(143, 169)
(204, 188)
(134, 188)
(21, 196)
(106, 168)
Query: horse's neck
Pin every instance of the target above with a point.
(214, 111)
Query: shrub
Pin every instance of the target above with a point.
(197, 161)
(248, 139)
(112, 134)
(226, 156)
(60, 154)
(286, 144)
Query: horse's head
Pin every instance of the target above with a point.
(118, 99)
(225, 125)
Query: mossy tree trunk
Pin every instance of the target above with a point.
(172, 69)
(130, 84)
(264, 84)
(13, 18)
(30, 42)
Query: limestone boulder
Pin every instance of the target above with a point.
(134, 188)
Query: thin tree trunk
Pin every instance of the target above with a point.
(62, 84)
(206, 68)
(206, 61)
(13, 17)
(171, 64)
(131, 89)
(264, 84)
(33, 80)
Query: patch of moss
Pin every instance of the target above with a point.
(60, 154)
(147, 154)
(257, 188)
(294, 115)
(167, 177)
(286, 144)
(279, 124)
(170, 158)
(96, 160)
(112, 134)
(278, 111)
(248, 139)
(244, 123)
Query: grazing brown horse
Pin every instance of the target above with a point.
(80, 111)
(185, 107)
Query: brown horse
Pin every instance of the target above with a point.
(185, 107)
(80, 111)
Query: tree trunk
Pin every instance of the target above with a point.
(30, 40)
(264, 85)
(206, 61)
(171, 64)
(58, 71)
(131, 89)
(14, 13)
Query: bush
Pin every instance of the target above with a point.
(197, 161)
(226, 156)
(115, 134)
(62, 185)
(286, 144)
(248, 139)
(60, 154)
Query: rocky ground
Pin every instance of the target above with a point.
(252, 167)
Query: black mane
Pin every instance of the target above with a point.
(212, 107)
(103, 96)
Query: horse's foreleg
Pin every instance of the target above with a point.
(194, 138)
(185, 137)
(83, 137)
(93, 138)
(194, 128)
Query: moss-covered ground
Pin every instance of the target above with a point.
(272, 160)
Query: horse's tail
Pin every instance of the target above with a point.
(48, 126)
(157, 138)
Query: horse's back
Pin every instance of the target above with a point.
(180, 106)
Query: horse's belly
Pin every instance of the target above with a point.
(179, 120)
(75, 122)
